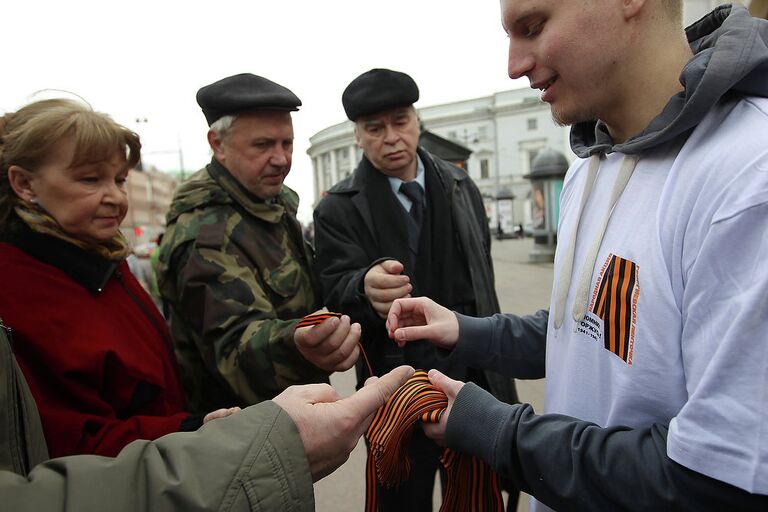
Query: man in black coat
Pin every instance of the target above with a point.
(406, 223)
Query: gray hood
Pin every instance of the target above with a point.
(730, 56)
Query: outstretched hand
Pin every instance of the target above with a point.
(330, 426)
(422, 318)
(451, 388)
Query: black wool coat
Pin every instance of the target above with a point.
(347, 245)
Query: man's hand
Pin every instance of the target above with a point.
(331, 427)
(332, 345)
(384, 283)
(451, 388)
(422, 319)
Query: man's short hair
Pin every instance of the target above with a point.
(222, 125)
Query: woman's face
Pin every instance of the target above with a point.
(88, 201)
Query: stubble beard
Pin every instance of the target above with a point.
(563, 117)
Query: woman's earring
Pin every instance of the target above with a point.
(33, 200)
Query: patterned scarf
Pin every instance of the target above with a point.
(40, 221)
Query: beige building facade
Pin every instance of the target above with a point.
(149, 194)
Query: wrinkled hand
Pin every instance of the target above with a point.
(331, 345)
(422, 319)
(384, 283)
(451, 388)
(331, 427)
(220, 413)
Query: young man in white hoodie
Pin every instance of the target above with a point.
(656, 348)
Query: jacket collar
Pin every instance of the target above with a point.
(358, 180)
(269, 211)
(214, 185)
(355, 186)
(88, 269)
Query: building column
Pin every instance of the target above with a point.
(334, 169)
(316, 178)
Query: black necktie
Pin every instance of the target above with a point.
(415, 193)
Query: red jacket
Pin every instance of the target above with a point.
(99, 363)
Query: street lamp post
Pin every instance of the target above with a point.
(181, 156)
(140, 164)
(178, 151)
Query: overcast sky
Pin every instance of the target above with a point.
(147, 59)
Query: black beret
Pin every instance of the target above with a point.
(377, 90)
(241, 93)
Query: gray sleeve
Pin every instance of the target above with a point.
(514, 346)
(252, 460)
(569, 464)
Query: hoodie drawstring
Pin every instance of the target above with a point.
(587, 269)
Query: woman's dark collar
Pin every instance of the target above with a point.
(88, 269)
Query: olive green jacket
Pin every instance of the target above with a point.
(237, 275)
(22, 444)
(251, 461)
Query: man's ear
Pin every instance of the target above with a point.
(357, 137)
(631, 8)
(21, 183)
(215, 142)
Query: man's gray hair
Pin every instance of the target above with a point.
(222, 125)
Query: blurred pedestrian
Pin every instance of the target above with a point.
(141, 268)
(154, 290)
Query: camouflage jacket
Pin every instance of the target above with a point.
(237, 275)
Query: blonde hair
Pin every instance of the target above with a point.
(28, 135)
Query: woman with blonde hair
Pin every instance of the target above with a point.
(95, 350)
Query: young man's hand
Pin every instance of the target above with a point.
(422, 318)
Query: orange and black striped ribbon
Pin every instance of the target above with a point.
(316, 318)
(469, 484)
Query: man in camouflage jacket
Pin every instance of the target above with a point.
(233, 264)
